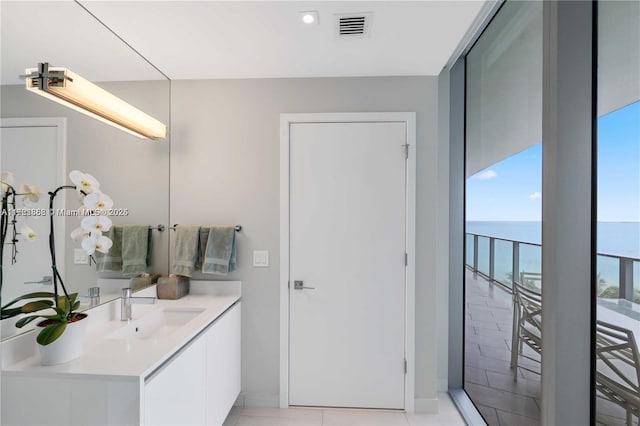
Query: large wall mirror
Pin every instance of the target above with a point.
(42, 141)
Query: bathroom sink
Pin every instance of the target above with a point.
(156, 324)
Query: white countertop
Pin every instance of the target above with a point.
(135, 358)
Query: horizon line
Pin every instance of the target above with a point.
(539, 221)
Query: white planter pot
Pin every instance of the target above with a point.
(68, 346)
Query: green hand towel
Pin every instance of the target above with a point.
(135, 247)
(220, 254)
(112, 260)
(186, 250)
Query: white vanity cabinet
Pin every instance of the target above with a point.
(199, 385)
(176, 394)
(222, 370)
(190, 376)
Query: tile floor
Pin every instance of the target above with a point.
(252, 416)
(488, 376)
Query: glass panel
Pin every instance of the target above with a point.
(483, 255)
(469, 248)
(608, 278)
(503, 200)
(503, 262)
(530, 258)
(618, 211)
(636, 282)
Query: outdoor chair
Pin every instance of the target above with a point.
(527, 328)
(618, 368)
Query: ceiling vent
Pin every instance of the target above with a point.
(353, 25)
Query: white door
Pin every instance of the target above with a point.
(31, 154)
(348, 243)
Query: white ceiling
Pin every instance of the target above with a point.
(63, 34)
(232, 39)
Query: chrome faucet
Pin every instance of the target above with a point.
(94, 296)
(127, 300)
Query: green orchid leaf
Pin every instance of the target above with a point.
(76, 306)
(63, 303)
(35, 295)
(50, 333)
(38, 305)
(11, 312)
(26, 320)
(60, 313)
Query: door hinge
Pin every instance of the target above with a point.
(406, 259)
(288, 284)
(405, 366)
(406, 150)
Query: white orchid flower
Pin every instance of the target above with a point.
(30, 193)
(27, 233)
(95, 243)
(84, 182)
(97, 224)
(7, 179)
(98, 201)
(79, 234)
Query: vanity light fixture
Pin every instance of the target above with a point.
(69, 89)
(310, 17)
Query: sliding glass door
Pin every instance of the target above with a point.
(503, 170)
(618, 211)
(503, 245)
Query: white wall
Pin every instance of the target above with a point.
(225, 170)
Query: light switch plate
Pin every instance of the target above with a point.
(261, 258)
(80, 257)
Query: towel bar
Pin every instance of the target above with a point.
(238, 228)
(160, 228)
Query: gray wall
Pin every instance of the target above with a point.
(225, 170)
(133, 171)
(442, 267)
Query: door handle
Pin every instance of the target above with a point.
(299, 285)
(45, 280)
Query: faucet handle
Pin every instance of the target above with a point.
(126, 292)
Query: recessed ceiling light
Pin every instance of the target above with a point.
(309, 17)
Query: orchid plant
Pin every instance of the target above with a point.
(95, 208)
(30, 194)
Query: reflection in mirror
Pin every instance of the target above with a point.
(43, 141)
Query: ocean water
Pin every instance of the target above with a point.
(615, 238)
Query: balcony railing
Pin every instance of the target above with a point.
(497, 258)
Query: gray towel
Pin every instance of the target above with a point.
(186, 250)
(135, 248)
(112, 260)
(220, 252)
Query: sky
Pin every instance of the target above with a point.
(511, 190)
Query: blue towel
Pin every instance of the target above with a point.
(220, 251)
